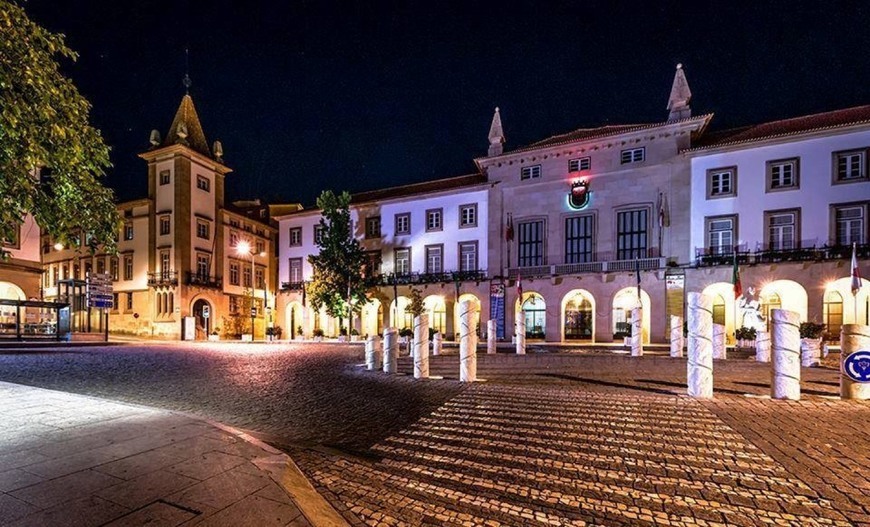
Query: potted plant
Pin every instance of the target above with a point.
(299, 333)
(354, 335)
(406, 334)
(215, 335)
(811, 343)
(318, 335)
(342, 335)
(745, 337)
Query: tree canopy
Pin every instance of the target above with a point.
(338, 269)
(51, 158)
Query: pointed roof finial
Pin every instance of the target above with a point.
(681, 95)
(496, 135)
(186, 128)
(186, 80)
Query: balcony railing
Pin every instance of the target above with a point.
(602, 262)
(202, 280)
(163, 278)
(806, 251)
(292, 286)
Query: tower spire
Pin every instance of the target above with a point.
(678, 102)
(186, 80)
(496, 135)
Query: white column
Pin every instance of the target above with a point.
(854, 338)
(467, 342)
(491, 337)
(719, 349)
(437, 343)
(676, 336)
(373, 352)
(811, 352)
(699, 375)
(762, 346)
(520, 332)
(421, 347)
(391, 350)
(637, 332)
(786, 348)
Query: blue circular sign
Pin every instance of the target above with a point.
(857, 366)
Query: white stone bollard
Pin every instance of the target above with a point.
(811, 352)
(676, 336)
(391, 350)
(785, 377)
(637, 332)
(373, 353)
(520, 332)
(467, 343)
(491, 337)
(699, 374)
(762, 346)
(421, 347)
(719, 349)
(854, 338)
(437, 343)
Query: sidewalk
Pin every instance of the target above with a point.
(72, 460)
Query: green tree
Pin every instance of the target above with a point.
(337, 282)
(44, 124)
(415, 303)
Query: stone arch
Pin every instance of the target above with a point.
(853, 306)
(456, 311)
(722, 296)
(294, 318)
(371, 318)
(399, 317)
(578, 316)
(535, 308)
(436, 308)
(785, 294)
(203, 325)
(623, 302)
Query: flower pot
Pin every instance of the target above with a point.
(318, 339)
(811, 352)
(214, 338)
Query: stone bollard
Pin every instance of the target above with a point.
(467, 343)
(676, 336)
(520, 332)
(699, 374)
(437, 343)
(391, 350)
(373, 353)
(811, 352)
(719, 349)
(785, 377)
(855, 361)
(762, 346)
(421, 347)
(637, 332)
(491, 337)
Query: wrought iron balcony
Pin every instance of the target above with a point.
(600, 262)
(292, 286)
(805, 251)
(163, 278)
(201, 280)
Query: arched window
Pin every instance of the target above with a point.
(170, 303)
(719, 310)
(159, 303)
(536, 315)
(578, 318)
(832, 313)
(769, 303)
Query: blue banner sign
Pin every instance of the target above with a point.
(496, 307)
(857, 366)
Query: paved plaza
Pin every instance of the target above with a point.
(559, 439)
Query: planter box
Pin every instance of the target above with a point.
(354, 338)
(214, 338)
(247, 338)
(318, 339)
(811, 352)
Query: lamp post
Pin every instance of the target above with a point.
(244, 248)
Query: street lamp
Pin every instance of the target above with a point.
(244, 248)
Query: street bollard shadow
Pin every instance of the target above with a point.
(678, 385)
(606, 383)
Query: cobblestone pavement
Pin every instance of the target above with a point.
(606, 441)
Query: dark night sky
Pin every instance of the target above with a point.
(361, 95)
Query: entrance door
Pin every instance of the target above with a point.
(202, 323)
(578, 319)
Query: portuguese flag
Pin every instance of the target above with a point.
(735, 278)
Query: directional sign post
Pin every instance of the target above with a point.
(205, 312)
(99, 290)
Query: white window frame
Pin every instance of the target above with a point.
(530, 172)
(851, 173)
(579, 164)
(434, 220)
(632, 155)
(435, 258)
(777, 180)
(468, 261)
(403, 223)
(405, 267)
(295, 236)
(468, 215)
(203, 183)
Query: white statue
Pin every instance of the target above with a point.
(750, 309)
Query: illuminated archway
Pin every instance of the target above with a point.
(436, 308)
(535, 312)
(399, 316)
(724, 306)
(783, 294)
(294, 320)
(578, 316)
(465, 297)
(9, 291)
(623, 302)
(372, 318)
(855, 309)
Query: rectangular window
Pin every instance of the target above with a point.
(530, 246)
(15, 241)
(203, 183)
(468, 215)
(582, 163)
(467, 256)
(373, 263)
(373, 227)
(530, 172)
(234, 238)
(129, 301)
(165, 225)
(295, 270)
(260, 276)
(115, 304)
(782, 229)
(720, 234)
(578, 239)
(202, 229)
(113, 268)
(234, 273)
(318, 234)
(295, 237)
(850, 225)
(101, 265)
(246, 276)
(260, 247)
(632, 155)
(165, 266)
(128, 267)
(64, 272)
(202, 261)
(631, 234)
(164, 177)
(403, 223)
(721, 182)
(402, 261)
(851, 166)
(128, 230)
(782, 175)
(234, 304)
(434, 259)
(433, 220)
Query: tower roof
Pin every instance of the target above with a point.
(681, 95)
(191, 134)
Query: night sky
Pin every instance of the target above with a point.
(363, 95)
